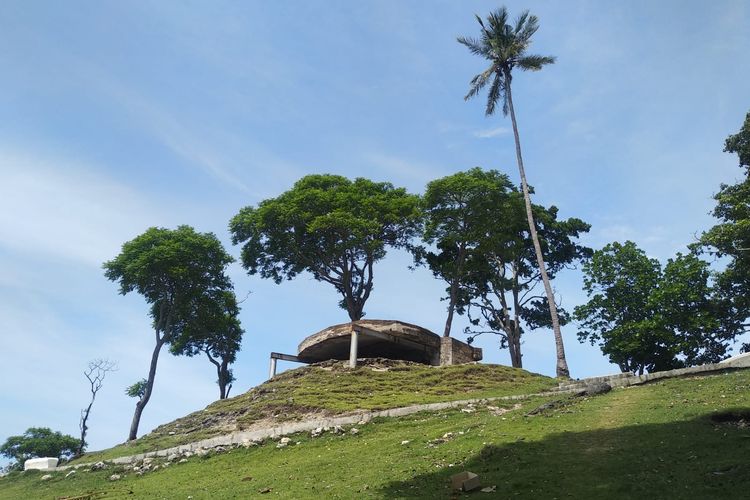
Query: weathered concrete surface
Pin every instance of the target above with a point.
(455, 352)
(45, 463)
(385, 339)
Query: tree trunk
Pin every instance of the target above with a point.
(141, 404)
(84, 427)
(454, 291)
(562, 364)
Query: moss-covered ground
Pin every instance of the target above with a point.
(661, 440)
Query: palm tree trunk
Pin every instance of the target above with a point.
(562, 365)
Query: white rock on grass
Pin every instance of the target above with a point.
(114, 477)
(46, 477)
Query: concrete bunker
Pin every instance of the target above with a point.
(380, 339)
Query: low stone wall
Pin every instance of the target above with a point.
(628, 379)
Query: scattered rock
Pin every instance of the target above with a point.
(264, 490)
(148, 460)
(172, 433)
(46, 477)
(354, 431)
(99, 466)
(283, 442)
(338, 430)
(489, 489)
(114, 477)
(404, 442)
(316, 432)
(173, 457)
(182, 460)
(70, 474)
(247, 478)
(465, 481)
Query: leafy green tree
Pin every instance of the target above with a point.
(38, 442)
(730, 238)
(646, 318)
(331, 227)
(504, 45)
(172, 269)
(459, 210)
(502, 291)
(217, 334)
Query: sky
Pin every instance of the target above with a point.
(119, 116)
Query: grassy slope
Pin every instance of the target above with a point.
(331, 389)
(654, 441)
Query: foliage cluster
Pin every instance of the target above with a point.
(38, 442)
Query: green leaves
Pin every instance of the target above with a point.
(648, 318)
(38, 442)
(329, 226)
(504, 46)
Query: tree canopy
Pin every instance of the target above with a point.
(214, 330)
(38, 442)
(503, 278)
(730, 238)
(460, 210)
(173, 269)
(649, 318)
(330, 226)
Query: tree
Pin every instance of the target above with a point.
(504, 46)
(38, 442)
(730, 238)
(95, 374)
(331, 227)
(502, 275)
(217, 334)
(459, 211)
(172, 269)
(646, 318)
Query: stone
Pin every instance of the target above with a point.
(316, 432)
(173, 457)
(99, 466)
(405, 442)
(44, 463)
(182, 460)
(114, 477)
(595, 389)
(46, 477)
(70, 474)
(465, 481)
(354, 431)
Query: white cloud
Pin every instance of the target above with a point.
(491, 132)
(63, 209)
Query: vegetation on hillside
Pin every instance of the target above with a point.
(677, 438)
(330, 388)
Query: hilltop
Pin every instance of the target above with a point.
(331, 388)
(683, 437)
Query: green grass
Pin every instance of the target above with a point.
(333, 389)
(652, 441)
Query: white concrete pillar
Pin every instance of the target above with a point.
(353, 349)
(272, 370)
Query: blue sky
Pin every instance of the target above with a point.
(118, 116)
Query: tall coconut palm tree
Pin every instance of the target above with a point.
(504, 45)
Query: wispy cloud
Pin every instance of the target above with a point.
(491, 132)
(63, 210)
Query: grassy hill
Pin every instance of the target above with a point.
(680, 438)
